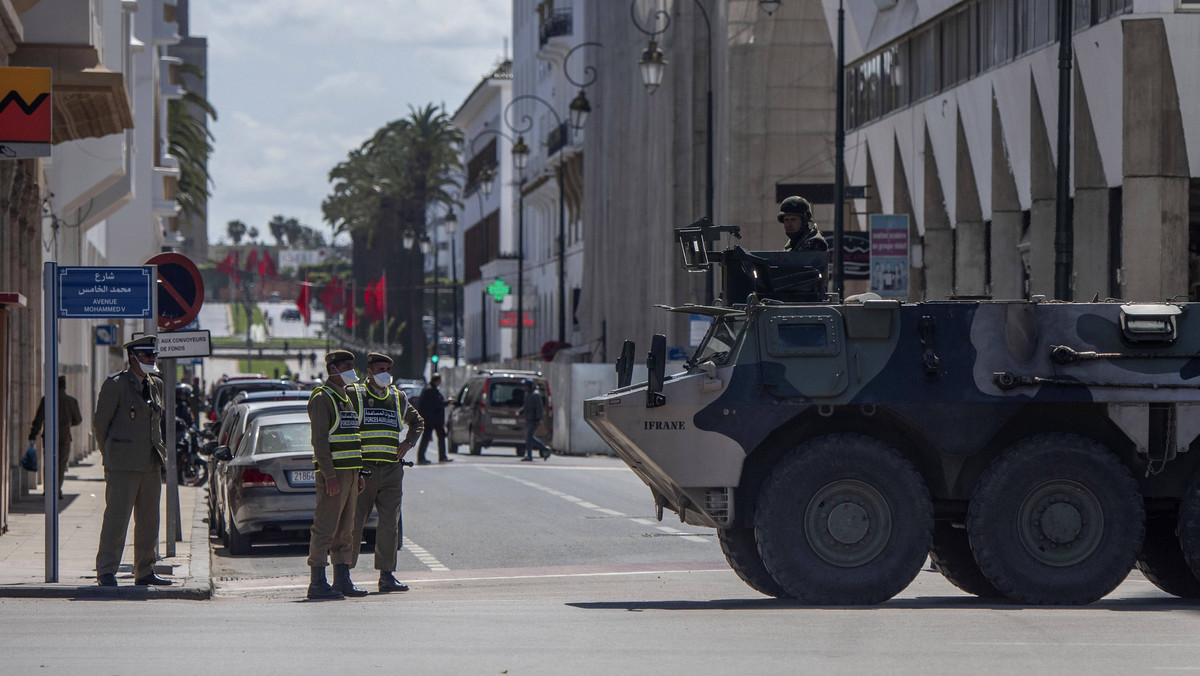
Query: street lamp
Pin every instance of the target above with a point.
(450, 223)
(579, 110)
(520, 154)
(652, 63)
(769, 6)
(487, 181)
(407, 238)
(426, 245)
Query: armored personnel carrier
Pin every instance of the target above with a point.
(1032, 450)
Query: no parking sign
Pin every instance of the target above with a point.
(180, 290)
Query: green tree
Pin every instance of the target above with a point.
(236, 231)
(382, 190)
(190, 142)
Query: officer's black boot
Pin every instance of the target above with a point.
(388, 583)
(342, 582)
(318, 587)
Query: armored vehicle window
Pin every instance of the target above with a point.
(718, 344)
(792, 336)
(803, 336)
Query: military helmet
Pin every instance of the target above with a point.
(795, 205)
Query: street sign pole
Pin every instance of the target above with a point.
(82, 292)
(50, 419)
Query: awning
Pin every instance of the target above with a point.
(89, 100)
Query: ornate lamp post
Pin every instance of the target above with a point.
(450, 223)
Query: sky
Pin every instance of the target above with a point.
(297, 84)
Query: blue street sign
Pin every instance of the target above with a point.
(85, 292)
(106, 334)
(676, 354)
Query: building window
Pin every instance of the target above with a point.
(959, 45)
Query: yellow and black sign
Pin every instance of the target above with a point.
(25, 120)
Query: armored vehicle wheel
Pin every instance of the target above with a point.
(1189, 525)
(741, 551)
(1162, 562)
(1057, 519)
(843, 520)
(951, 555)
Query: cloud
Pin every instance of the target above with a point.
(299, 83)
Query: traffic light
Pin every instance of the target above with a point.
(433, 359)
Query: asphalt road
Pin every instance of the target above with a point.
(493, 512)
(558, 568)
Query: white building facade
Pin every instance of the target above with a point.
(485, 236)
(952, 118)
(544, 85)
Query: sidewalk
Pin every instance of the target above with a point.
(23, 547)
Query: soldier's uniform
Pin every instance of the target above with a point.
(335, 414)
(127, 424)
(388, 420)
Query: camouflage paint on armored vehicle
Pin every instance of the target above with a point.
(1034, 450)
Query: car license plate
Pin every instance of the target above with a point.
(505, 421)
(306, 477)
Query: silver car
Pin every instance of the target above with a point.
(268, 482)
(233, 427)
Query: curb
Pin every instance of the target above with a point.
(196, 587)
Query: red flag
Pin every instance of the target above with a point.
(333, 296)
(266, 266)
(228, 264)
(303, 301)
(251, 261)
(351, 313)
(375, 299)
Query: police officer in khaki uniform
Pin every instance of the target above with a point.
(390, 428)
(335, 414)
(127, 424)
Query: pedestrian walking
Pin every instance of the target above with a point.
(533, 409)
(432, 407)
(335, 415)
(128, 427)
(68, 417)
(390, 428)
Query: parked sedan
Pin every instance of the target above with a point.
(268, 482)
(233, 427)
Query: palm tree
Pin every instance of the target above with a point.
(381, 190)
(236, 231)
(190, 142)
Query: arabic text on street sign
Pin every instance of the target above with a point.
(85, 292)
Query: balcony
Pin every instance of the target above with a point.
(559, 23)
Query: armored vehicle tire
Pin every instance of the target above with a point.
(1162, 562)
(741, 551)
(951, 554)
(1189, 525)
(1057, 519)
(843, 519)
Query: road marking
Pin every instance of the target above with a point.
(544, 466)
(684, 535)
(423, 556)
(718, 568)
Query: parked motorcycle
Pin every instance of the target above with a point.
(189, 463)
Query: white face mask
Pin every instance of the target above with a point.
(147, 369)
(348, 377)
(382, 379)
